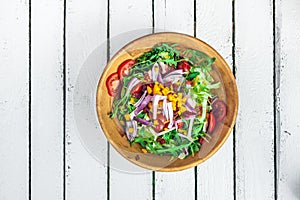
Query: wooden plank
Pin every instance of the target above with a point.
(255, 122)
(171, 16)
(14, 100)
(214, 26)
(288, 96)
(176, 184)
(130, 15)
(47, 99)
(85, 30)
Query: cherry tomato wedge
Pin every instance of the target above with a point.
(184, 65)
(211, 122)
(125, 67)
(201, 140)
(161, 140)
(112, 84)
(219, 110)
(159, 127)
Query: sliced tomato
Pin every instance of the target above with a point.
(180, 124)
(187, 82)
(161, 118)
(125, 67)
(184, 65)
(137, 89)
(112, 83)
(211, 123)
(219, 110)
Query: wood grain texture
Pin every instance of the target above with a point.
(214, 26)
(85, 30)
(14, 100)
(288, 96)
(129, 15)
(175, 184)
(255, 124)
(47, 99)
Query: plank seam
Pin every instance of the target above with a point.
(153, 185)
(29, 102)
(234, 73)
(153, 31)
(108, 56)
(153, 17)
(195, 18)
(64, 98)
(196, 182)
(195, 33)
(276, 84)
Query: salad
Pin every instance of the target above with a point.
(165, 100)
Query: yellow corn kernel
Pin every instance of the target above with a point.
(172, 97)
(132, 100)
(156, 89)
(127, 117)
(179, 95)
(155, 122)
(165, 91)
(182, 131)
(150, 105)
(182, 109)
(165, 129)
(195, 81)
(130, 130)
(144, 150)
(122, 123)
(149, 90)
(179, 112)
(179, 103)
(174, 105)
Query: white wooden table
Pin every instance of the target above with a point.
(44, 43)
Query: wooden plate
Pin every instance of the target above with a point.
(115, 134)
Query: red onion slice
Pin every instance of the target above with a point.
(189, 135)
(140, 100)
(155, 72)
(170, 111)
(131, 124)
(143, 104)
(142, 121)
(190, 107)
(133, 82)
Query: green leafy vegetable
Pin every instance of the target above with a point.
(173, 142)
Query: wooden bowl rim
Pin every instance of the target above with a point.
(226, 135)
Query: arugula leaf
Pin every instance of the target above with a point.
(141, 115)
(130, 108)
(164, 53)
